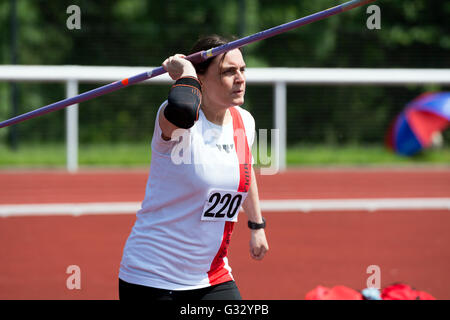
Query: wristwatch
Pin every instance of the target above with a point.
(255, 226)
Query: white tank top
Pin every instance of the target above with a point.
(194, 191)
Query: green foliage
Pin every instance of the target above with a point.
(414, 34)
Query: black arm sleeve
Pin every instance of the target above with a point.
(183, 102)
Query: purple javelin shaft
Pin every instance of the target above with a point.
(194, 58)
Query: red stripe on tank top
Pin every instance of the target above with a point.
(218, 273)
(242, 150)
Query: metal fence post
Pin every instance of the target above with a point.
(72, 128)
(280, 121)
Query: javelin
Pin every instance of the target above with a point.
(194, 58)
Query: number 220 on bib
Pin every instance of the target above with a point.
(222, 205)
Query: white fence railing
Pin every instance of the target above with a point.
(278, 77)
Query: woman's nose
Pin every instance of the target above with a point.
(240, 76)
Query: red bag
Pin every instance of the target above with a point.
(335, 293)
(400, 291)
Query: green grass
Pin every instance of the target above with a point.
(54, 155)
(138, 155)
(361, 155)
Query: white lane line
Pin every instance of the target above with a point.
(107, 208)
(356, 204)
(74, 209)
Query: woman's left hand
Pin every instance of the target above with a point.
(258, 244)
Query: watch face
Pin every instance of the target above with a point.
(254, 225)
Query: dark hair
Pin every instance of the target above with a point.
(205, 43)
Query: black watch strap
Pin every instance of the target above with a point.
(255, 226)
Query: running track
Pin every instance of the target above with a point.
(306, 249)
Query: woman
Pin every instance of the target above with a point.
(178, 246)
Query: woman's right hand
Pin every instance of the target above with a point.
(177, 67)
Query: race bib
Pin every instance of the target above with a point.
(223, 205)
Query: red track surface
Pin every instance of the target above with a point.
(306, 250)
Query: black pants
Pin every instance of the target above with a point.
(223, 291)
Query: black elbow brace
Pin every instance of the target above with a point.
(183, 103)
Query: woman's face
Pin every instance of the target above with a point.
(223, 84)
